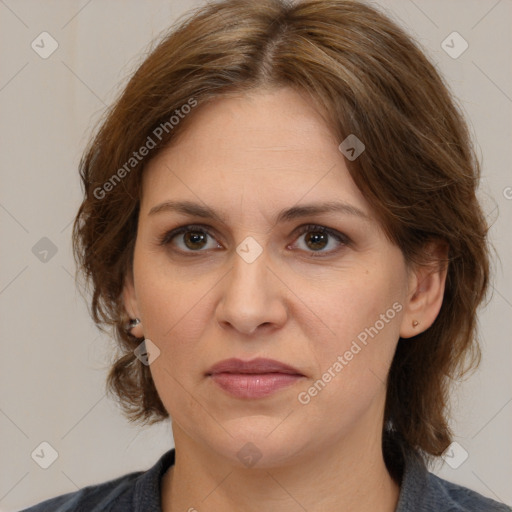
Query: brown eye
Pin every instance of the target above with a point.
(195, 239)
(318, 238)
(190, 239)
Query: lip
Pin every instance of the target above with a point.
(253, 379)
(258, 365)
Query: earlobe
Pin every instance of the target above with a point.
(426, 293)
(131, 308)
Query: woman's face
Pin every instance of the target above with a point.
(252, 283)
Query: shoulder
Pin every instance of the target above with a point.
(131, 492)
(92, 498)
(458, 498)
(422, 491)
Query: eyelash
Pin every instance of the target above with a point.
(308, 228)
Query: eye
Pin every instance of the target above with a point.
(193, 239)
(319, 237)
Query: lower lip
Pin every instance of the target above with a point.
(251, 385)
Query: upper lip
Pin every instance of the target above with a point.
(256, 366)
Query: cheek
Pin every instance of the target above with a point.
(171, 304)
(175, 315)
(357, 302)
(353, 365)
(175, 320)
(166, 291)
(363, 315)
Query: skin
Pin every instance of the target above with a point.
(248, 157)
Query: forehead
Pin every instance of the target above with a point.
(270, 147)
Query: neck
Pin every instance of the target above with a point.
(341, 478)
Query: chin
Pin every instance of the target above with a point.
(258, 444)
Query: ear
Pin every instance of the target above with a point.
(131, 305)
(426, 291)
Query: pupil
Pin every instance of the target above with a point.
(194, 237)
(317, 238)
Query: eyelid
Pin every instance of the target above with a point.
(343, 239)
(169, 235)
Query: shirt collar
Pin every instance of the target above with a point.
(413, 485)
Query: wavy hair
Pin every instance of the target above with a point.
(419, 172)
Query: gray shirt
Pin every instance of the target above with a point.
(420, 491)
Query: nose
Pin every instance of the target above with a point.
(253, 297)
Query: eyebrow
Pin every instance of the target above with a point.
(198, 210)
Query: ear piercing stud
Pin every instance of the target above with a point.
(132, 323)
(415, 323)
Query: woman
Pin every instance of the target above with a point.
(280, 223)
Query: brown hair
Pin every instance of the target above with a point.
(419, 172)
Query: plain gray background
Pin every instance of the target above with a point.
(53, 359)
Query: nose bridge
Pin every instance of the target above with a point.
(250, 295)
(248, 277)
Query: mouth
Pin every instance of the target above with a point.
(253, 379)
(255, 366)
